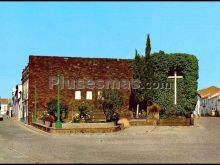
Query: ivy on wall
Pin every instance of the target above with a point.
(185, 65)
(158, 88)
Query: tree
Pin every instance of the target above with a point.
(52, 108)
(148, 48)
(111, 100)
(138, 67)
(144, 73)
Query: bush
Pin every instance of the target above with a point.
(43, 115)
(111, 100)
(84, 113)
(52, 109)
(111, 115)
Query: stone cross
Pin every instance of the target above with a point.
(175, 85)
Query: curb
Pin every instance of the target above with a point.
(30, 128)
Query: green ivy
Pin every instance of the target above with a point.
(161, 64)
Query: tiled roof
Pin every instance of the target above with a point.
(4, 101)
(205, 93)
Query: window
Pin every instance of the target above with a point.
(100, 95)
(77, 95)
(89, 95)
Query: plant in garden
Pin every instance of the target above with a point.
(52, 109)
(43, 115)
(76, 118)
(84, 114)
(112, 99)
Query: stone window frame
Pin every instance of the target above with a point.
(90, 98)
(79, 94)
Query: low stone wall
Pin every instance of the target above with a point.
(110, 126)
(40, 121)
(140, 122)
(88, 125)
(86, 130)
(45, 123)
(177, 122)
(80, 128)
(163, 122)
(41, 127)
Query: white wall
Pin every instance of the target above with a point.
(214, 104)
(17, 102)
(197, 111)
(25, 92)
(4, 108)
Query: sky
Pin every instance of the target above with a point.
(108, 30)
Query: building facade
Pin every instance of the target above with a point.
(207, 101)
(25, 92)
(4, 105)
(17, 102)
(214, 104)
(82, 79)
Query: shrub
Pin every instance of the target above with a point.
(43, 115)
(112, 99)
(84, 113)
(52, 109)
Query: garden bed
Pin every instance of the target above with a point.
(80, 128)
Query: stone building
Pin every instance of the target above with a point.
(82, 79)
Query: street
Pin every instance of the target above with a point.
(138, 144)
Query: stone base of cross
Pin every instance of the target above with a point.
(175, 85)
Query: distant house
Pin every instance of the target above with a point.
(17, 102)
(4, 104)
(214, 103)
(207, 101)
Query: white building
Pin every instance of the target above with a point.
(207, 101)
(25, 90)
(214, 103)
(17, 102)
(4, 104)
(197, 111)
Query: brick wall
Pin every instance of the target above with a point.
(41, 68)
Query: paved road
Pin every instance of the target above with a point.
(140, 144)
